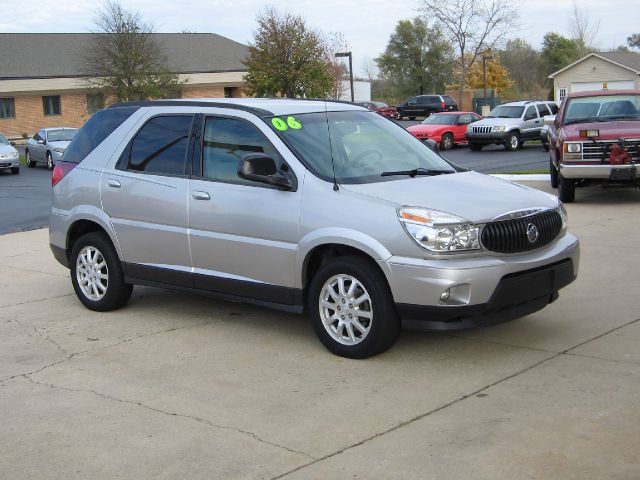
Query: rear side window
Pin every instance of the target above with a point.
(553, 107)
(543, 109)
(161, 145)
(448, 100)
(99, 127)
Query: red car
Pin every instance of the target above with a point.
(446, 128)
(381, 108)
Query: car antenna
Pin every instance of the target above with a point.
(333, 163)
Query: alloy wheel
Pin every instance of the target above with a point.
(92, 273)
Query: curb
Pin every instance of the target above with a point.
(541, 177)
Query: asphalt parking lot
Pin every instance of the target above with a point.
(181, 386)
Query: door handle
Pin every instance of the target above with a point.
(198, 195)
(113, 183)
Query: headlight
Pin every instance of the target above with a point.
(14, 154)
(498, 128)
(573, 147)
(59, 150)
(565, 219)
(439, 231)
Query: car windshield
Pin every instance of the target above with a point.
(3, 140)
(504, 111)
(61, 135)
(440, 120)
(360, 146)
(602, 108)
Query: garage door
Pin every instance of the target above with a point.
(589, 86)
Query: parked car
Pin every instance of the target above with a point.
(447, 129)
(9, 156)
(301, 205)
(510, 124)
(381, 108)
(595, 139)
(48, 145)
(425, 105)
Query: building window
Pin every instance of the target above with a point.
(95, 102)
(7, 108)
(228, 92)
(562, 92)
(51, 105)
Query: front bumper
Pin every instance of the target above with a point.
(487, 138)
(483, 289)
(9, 162)
(597, 171)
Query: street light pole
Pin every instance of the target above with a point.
(348, 54)
(484, 75)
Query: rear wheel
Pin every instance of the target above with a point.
(475, 147)
(446, 142)
(566, 189)
(513, 142)
(352, 309)
(553, 174)
(49, 161)
(96, 273)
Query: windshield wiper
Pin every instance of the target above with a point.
(624, 117)
(583, 120)
(417, 171)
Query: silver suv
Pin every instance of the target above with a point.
(301, 205)
(510, 124)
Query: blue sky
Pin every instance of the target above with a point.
(366, 25)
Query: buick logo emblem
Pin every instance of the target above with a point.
(532, 233)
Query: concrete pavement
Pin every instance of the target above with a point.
(182, 386)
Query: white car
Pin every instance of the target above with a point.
(9, 156)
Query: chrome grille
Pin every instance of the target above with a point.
(510, 236)
(481, 129)
(600, 150)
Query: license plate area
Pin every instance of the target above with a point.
(620, 174)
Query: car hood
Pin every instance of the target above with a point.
(496, 121)
(473, 196)
(608, 130)
(4, 149)
(61, 144)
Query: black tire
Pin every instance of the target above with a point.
(412, 118)
(546, 147)
(566, 189)
(553, 174)
(446, 142)
(475, 147)
(512, 142)
(15, 170)
(384, 324)
(117, 292)
(30, 163)
(50, 163)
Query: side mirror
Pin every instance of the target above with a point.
(13, 144)
(260, 167)
(40, 142)
(549, 120)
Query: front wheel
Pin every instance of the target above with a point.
(513, 142)
(553, 174)
(446, 142)
(96, 273)
(566, 189)
(352, 308)
(29, 161)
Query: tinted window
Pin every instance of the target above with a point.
(553, 107)
(226, 140)
(506, 111)
(3, 140)
(99, 127)
(448, 100)
(428, 100)
(412, 101)
(37, 137)
(467, 118)
(543, 109)
(51, 105)
(530, 113)
(161, 145)
(65, 135)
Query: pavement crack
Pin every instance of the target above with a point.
(42, 335)
(171, 414)
(37, 300)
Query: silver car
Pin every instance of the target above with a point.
(9, 156)
(301, 205)
(47, 146)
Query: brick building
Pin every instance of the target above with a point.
(41, 76)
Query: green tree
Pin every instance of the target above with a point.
(124, 59)
(634, 40)
(524, 64)
(558, 52)
(287, 58)
(417, 58)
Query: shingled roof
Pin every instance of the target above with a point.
(50, 55)
(628, 60)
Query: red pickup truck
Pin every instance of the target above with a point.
(595, 138)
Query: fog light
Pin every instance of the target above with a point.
(444, 296)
